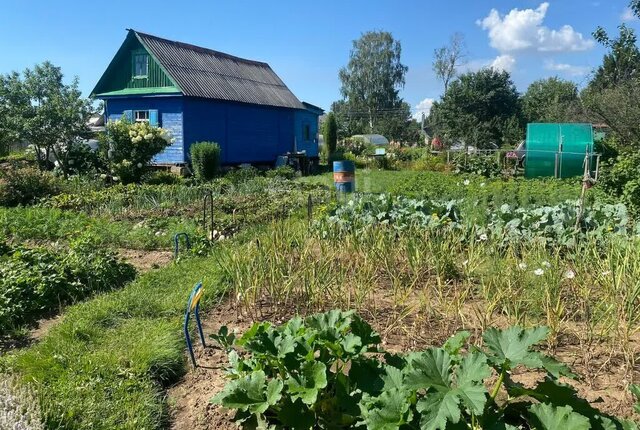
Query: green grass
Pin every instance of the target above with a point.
(367, 180)
(106, 364)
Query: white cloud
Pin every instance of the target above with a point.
(628, 15)
(423, 107)
(503, 63)
(567, 69)
(523, 29)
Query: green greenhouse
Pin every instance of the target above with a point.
(558, 150)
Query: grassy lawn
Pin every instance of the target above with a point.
(367, 180)
(106, 364)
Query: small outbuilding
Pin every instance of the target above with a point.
(199, 94)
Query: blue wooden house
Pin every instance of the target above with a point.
(203, 95)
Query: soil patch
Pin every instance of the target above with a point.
(145, 261)
(603, 378)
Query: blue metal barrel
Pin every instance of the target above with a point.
(344, 176)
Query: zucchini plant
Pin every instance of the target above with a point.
(328, 371)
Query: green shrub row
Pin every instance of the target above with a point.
(35, 282)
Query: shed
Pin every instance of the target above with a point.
(199, 94)
(558, 150)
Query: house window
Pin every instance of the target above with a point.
(306, 132)
(141, 116)
(140, 65)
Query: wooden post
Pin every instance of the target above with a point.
(586, 180)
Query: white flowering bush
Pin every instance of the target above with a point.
(19, 408)
(128, 148)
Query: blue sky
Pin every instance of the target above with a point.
(306, 42)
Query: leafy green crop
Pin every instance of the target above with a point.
(326, 371)
(551, 225)
(37, 281)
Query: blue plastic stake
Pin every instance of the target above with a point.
(176, 243)
(194, 306)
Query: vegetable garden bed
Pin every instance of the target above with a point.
(601, 379)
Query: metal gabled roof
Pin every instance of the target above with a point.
(202, 72)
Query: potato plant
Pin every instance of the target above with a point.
(329, 371)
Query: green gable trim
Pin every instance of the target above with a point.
(120, 79)
(155, 59)
(140, 91)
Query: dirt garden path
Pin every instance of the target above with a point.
(602, 381)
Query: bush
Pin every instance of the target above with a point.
(128, 148)
(80, 159)
(620, 177)
(205, 160)
(483, 165)
(359, 161)
(429, 162)
(23, 186)
(243, 174)
(284, 172)
(355, 145)
(163, 178)
(35, 282)
(407, 154)
(330, 132)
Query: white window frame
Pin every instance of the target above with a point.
(142, 118)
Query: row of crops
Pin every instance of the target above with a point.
(556, 225)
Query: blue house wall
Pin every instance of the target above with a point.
(246, 133)
(170, 116)
(306, 141)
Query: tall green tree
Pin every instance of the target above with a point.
(12, 95)
(40, 109)
(612, 95)
(551, 100)
(372, 79)
(448, 59)
(330, 132)
(479, 108)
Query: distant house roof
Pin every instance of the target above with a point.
(374, 139)
(202, 72)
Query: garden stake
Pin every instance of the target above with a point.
(309, 208)
(176, 243)
(587, 182)
(208, 196)
(193, 305)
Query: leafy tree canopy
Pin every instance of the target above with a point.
(371, 82)
(551, 100)
(612, 95)
(39, 108)
(479, 108)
